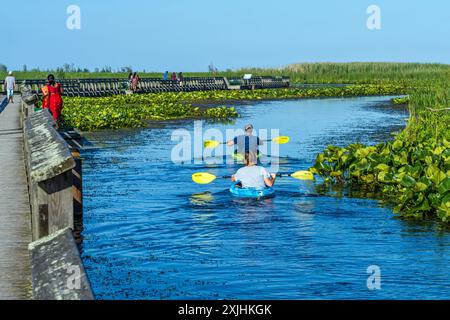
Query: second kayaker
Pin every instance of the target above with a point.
(252, 175)
(246, 142)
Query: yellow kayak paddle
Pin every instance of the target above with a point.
(211, 144)
(205, 177)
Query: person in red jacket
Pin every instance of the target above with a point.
(54, 97)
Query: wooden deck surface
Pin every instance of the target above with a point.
(15, 220)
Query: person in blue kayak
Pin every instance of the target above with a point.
(252, 175)
(246, 142)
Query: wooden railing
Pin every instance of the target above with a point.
(57, 269)
(114, 86)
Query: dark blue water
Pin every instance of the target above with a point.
(151, 233)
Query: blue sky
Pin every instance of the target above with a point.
(187, 35)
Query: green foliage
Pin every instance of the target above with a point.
(127, 111)
(358, 72)
(402, 100)
(413, 170)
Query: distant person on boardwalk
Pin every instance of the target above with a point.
(10, 85)
(165, 75)
(130, 80)
(174, 76)
(135, 82)
(45, 96)
(181, 78)
(54, 92)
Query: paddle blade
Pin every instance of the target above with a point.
(303, 175)
(281, 139)
(203, 177)
(210, 144)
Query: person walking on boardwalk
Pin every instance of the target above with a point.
(135, 82)
(55, 102)
(130, 80)
(165, 75)
(45, 96)
(174, 76)
(181, 78)
(10, 85)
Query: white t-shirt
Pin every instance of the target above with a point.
(10, 82)
(252, 177)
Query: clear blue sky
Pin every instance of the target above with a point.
(187, 35)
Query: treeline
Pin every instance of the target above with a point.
(67, 71)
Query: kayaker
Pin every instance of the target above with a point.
(252, 175)
(246, 142)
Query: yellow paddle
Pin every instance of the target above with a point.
(211, 144)
(205, 177)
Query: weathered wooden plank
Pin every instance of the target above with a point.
(57, 269)
(15, 229)
(49, 152)
(59, 200)
(50, 165)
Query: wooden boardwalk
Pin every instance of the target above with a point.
(15, 218)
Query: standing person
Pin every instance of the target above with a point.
(181, 78)
(130, 80)
(174, 76)
(10, 85)
(246, 142)
(45, 96)
(55, 100)
(166, 75)
(252, 175)
(135, 82)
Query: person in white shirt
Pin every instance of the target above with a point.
(10, 85)
(252, 175)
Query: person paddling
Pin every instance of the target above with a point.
(246, 142)
(252, 175)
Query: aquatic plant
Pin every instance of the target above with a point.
(127, 111)
(402, 100)
(133, 111)
(413, 170)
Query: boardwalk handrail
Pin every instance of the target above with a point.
(49, 153)
(49, 166)
(57, 269)
(113, 86)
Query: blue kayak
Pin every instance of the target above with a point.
(251, 192)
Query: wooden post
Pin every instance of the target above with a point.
(75, 141)
(50, 164)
